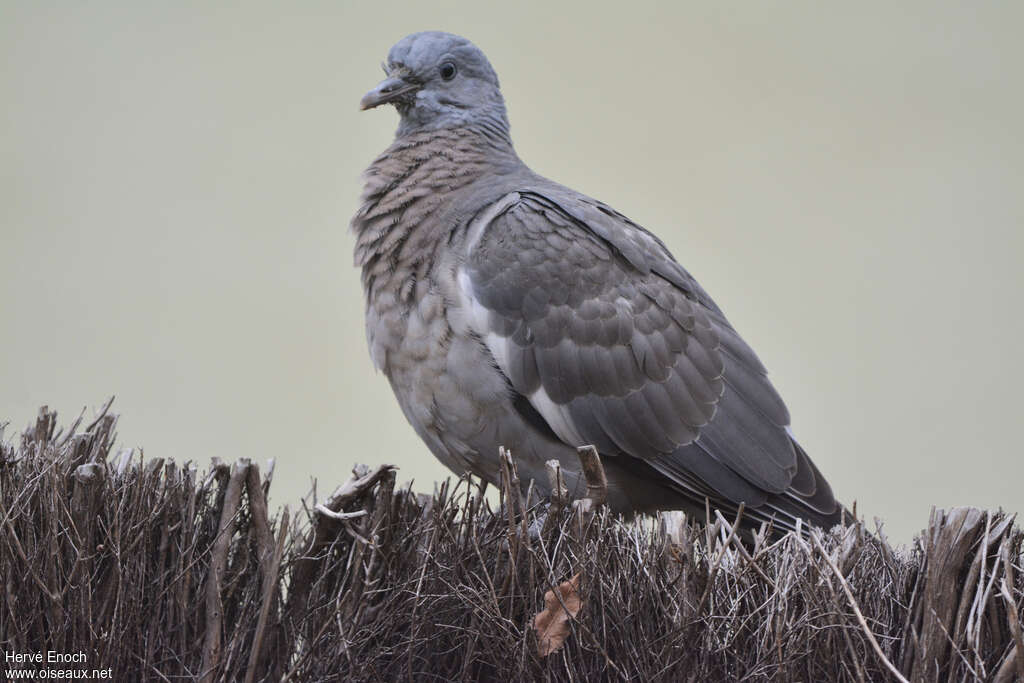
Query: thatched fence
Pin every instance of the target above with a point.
(150, 570)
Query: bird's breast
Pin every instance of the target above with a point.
(446, 384)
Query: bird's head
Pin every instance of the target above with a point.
(439, 80)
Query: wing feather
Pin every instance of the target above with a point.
(614, 344)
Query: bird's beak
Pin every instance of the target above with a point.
(388, 90)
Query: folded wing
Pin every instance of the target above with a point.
(614, 344)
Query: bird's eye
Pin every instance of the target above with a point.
(447, 71)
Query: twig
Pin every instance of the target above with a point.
(218, 563)
(597, 482)
(322, 533)
(719, 556)
(559, 496)
(269, 587)
(1012, 615)
(268, 556)
(750, 560)
(340, 516)
(856, 610)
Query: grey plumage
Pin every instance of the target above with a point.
(506, 309)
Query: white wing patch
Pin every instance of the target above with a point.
(480, 223)
(557, 417)
(475, 316)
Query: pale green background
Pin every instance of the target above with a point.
(846, 180)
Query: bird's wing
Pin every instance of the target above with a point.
(616, 345)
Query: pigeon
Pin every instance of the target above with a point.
(507, 310)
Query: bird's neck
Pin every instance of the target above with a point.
(406, 211)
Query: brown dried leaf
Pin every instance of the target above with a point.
(552, 624)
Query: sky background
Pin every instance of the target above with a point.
(847, 181)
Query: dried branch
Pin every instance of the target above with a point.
(215, 579)
(856, 610)
(166, 572)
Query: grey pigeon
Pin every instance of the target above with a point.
(508, 310)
